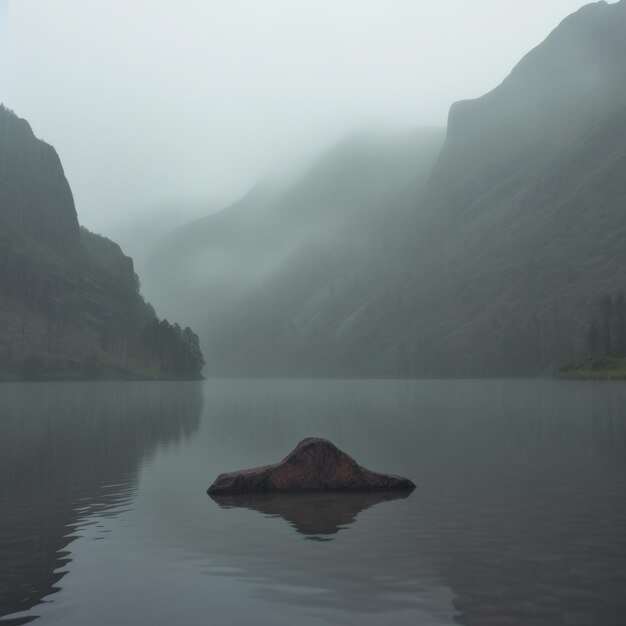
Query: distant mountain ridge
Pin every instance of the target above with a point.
(213, 272)
(70, 305)
(484, 261)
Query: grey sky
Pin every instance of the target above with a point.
(154, 103)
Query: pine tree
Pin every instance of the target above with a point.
(606, 307)
(593, 339)
(619, 330)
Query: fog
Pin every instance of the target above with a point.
(162, 111)
(227, 226)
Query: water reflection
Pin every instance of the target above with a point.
(519, 517)
(67, 452)
(520, 511)
(315, 515)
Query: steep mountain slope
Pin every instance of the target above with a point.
(575, 78)
(492, 270)
(35, 198)
(509, 288)
(69, 299)
(299, 239)
(528, 202)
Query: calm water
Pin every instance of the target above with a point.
(519, 516)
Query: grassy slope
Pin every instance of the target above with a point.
(595, 368)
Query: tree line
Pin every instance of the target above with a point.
(606, 333)
(176, 350)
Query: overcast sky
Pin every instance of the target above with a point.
(164, 103)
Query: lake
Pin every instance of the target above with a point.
(519, 516)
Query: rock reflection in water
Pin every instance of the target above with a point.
(313, 514)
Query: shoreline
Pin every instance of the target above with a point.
(607, 368)
(610, 376)
(128, 379)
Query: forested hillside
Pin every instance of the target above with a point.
(70, 305)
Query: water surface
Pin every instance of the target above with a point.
(519, 516)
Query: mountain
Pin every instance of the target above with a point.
(140, 234)
(570, 82)
(485, 263)
(261, 262)
(70, 305)
(525, 210)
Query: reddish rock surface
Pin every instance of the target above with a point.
(314, 465)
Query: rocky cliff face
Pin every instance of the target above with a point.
(571, 81)
(525, 209)
(35, 198)
(69, 299)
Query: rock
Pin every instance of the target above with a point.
(315, 515)
(315, 465)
